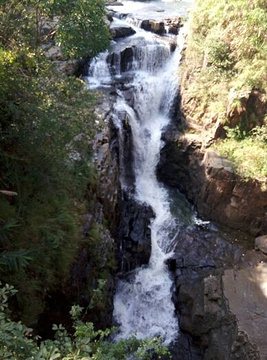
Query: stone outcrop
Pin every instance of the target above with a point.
(96, 257)
(97, 260)
(134, 235)
(211, 185)
(246, 292)
(173, 25)
(157, 27)
(261, 244)
(121, 31)
(124, 58)
(169, 25)
(200, 260)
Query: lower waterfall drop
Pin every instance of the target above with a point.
(146, 64)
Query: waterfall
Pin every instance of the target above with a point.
(143, 301)
(143, 304)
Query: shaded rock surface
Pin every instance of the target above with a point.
(157, 27)
(211, 185)
(199, 263)
(121, 31)
(134, 235)
(246, 291)
(261, 243)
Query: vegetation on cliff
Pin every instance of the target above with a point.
(46, 124)
(224, 80)
(84, 343)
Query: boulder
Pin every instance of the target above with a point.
(53, 52)
(71, 67)
(121, 31)
(174, 25)
(261, 244)
(157, 27)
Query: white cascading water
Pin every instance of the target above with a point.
(143, 302)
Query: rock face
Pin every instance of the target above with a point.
(199, 263)
(124, 58)
(210, 183)
(261, 244)
(205, 298)
(246, 291)
(96, 257)
(121, 32)
(134, 235)
(157, 27)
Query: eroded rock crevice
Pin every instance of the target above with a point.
(209, 182)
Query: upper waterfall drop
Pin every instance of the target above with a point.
(146, 64)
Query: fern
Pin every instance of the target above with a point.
(15, 260)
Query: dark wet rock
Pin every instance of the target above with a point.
(134, 234)
(185, 349)
(202, 249)
(173, 46)
(95, 258)
(127, 56)
(71, 67)
(157, 27)
(121, 32)
(110, 15)
(124, 59)
(122, 144)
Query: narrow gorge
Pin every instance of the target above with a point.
(175, 270)
(133, 193)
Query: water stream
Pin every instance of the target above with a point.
(143, 301)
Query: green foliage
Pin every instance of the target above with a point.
(82, 31)
(15, 339)
(226, 55)
(247, 151)
(15, 260)
(46, 124)
(229, 36)
(86, 343)
(218, 53)
(80, 26)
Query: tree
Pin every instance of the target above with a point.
(80, 25)
(82, 32)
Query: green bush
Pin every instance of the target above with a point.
(46, 124)
(226, 54)
(247, 151)
(17, 342)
